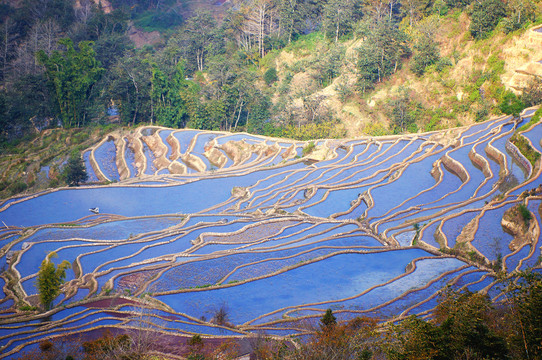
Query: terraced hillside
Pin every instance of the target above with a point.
(270, 232)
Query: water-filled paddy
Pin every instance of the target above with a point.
(494, 242)
(185, 138)
(163, 135)
(72, 204)
(129, 156)
(90, 171)
(339, 277)
(105, 157)
(267, 241)
(149, 156)
(535, 135)
(426, 270)
(417, 298)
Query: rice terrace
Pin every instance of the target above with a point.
(227, 235)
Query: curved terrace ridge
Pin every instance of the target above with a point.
(275, 231)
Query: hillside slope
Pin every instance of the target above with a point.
(472, 82)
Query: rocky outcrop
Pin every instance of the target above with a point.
(122, 166)
(141, 38)
(290, 153)
(158, 148)
(524, 232)
(176, 167)
(236, 150)
(136, 145)
(319, 153)
(467, 234)
(241, 151)
(194, 162)
(436, 171)
(519, 72)
(216, 157)
(240, 192)
(175, 147)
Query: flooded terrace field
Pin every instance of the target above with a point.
(194, 222)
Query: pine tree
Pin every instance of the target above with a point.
(75, 171)
(328, 321)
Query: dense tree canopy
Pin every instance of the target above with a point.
(167, 96)
(88, 68)
(381, 53)
(485, 16)
(72, 74)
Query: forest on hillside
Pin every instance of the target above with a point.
(66, 64)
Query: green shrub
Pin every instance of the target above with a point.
(270, 76)
(482, 114)
(305, 44)
(309, 148)
(412, 128)
(46, 345)
(17, 187)
(511, 104)
(442, 64)
(457, 3)
(532, 93)
(27, 308)
(525, 148)
(157, 20)
(534, 120)
(525, 213)
(50, 279)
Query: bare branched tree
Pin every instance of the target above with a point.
(221, 316)
(42, 36)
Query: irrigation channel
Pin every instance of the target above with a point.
(193, 222)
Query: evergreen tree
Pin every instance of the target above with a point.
(381, 53)
(458, 3)
(50, 279)
(532, 93)
(338, 17)
(128, 85)
(167, 96)
(460, 330)
(427, 53)
(270, 76)
(75, 171)
(72, 74)
(197, 39)
(368, 65)
(400, 110)
(328, 321)
(291, 18)
(485, 17)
